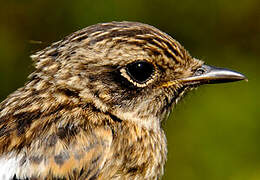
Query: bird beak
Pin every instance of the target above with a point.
(211, 75)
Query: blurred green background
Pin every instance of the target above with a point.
(214, 133)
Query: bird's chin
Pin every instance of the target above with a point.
(181, 92)
(178, 94)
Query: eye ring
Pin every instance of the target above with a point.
(140, 72)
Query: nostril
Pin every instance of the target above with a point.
(199, 71)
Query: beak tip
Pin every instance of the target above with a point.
(244, 77)
(238, 76)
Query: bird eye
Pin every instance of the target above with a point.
(140, 71)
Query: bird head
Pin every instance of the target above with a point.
(131, 70)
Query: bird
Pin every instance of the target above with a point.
(94, 105)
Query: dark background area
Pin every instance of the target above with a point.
(214, 133)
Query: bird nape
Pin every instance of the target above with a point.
(93, 107)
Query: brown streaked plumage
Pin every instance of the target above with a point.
(93, 107)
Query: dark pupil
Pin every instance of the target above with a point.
(140, 71)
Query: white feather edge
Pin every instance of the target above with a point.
(9, 165)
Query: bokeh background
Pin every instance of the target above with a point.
(214, 133)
